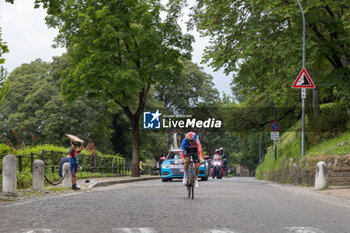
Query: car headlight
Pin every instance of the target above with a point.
(165, 166)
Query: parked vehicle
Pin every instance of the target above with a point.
(217, 167)
(171, 167)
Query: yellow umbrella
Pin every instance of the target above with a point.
(74, 138)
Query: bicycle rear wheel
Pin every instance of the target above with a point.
(192, 186)
(192, 181)
(189, 184)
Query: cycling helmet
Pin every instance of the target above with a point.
(191, 136)
(217, 150)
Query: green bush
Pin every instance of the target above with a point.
(331, 122)
(48, 148)
(56, 152)
(5, 149)
(24, 179)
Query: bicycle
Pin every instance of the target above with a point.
(190, 180)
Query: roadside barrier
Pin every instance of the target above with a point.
(67, 176)
(9, 175)
(321, 177)
(38, 175)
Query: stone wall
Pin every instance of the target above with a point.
(339, 176)
(302, 171)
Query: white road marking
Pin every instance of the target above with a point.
(133, 230)
(42, 230)
(151, 230)
(224, 230)
(304, 230)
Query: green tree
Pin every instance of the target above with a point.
(34, 108)
(262, 41)
(119, 49)
(3, 49)
(194, 87)
(3, 84)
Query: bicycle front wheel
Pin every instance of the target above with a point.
(192, 187)
(189, 183)
(192, 181)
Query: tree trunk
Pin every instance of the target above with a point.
(315, 94)
(135, 171)
(135, 131)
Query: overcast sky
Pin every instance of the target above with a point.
(28, 38)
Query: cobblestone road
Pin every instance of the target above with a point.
(236, 205)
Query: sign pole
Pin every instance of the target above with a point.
(274, 116)
(303, 91)
(303, 96)
(275, 135)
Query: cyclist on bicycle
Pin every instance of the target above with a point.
(191, 145)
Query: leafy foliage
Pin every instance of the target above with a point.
(118, 50)
(4, 149)
(24, 179)
(262, 41)
(3, 49)
(195, 87)
(33, 111)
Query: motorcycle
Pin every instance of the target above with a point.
(217, 169)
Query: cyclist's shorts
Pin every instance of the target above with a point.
(195, 157)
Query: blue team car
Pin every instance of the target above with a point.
(171, 167)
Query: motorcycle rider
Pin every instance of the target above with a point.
(216, 158)
(217, 153)
(191, 144)
(223, 156)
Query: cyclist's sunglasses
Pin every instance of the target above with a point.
(190, 141)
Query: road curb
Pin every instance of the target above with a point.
(112, 182)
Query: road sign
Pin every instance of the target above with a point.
(274, 126)
(275, 133)
(303, 93)
(303, 80)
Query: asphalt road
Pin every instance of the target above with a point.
(236, 205)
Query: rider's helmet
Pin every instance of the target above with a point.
(221, 150)
(217, 151)
(191, 136)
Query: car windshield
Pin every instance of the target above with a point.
(175, 155)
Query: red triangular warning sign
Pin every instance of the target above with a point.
(303, 80)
